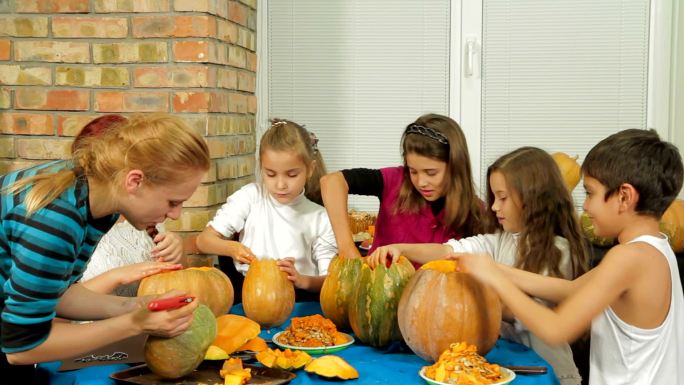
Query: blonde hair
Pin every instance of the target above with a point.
(160, 145)
(285, 135)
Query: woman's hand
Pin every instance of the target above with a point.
(381, 254)
(168, 248)
(110, 280)
(165, 323)
(241, 253)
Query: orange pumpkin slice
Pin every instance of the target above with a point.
(234, 331)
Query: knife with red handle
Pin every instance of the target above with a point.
(169, 303)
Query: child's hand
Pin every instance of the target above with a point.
(380, 255)
(288, 266)
(165, 323)
(168, 248)
(481, 266)
(137, 271)
(241, 253)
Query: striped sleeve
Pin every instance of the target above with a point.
(44, 249)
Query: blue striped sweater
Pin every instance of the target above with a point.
(41, 255)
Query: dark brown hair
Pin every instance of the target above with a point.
(640, 158)
(463, 211)
(547, 211)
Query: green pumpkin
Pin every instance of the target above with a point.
(373, 307)
(175, 357)
(588, 230)
(338, 289)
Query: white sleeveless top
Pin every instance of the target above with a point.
(625, 354)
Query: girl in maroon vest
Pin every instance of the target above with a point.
(431, 198)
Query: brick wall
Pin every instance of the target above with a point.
(64, 62)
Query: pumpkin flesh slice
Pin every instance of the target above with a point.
(332, 367)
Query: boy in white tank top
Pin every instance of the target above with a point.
(633, 299)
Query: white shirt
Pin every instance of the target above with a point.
(122, 245)
(272, 230)
(625, 354)
(503, 247)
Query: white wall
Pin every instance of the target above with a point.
(677, 90)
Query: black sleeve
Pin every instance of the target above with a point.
(364, 181)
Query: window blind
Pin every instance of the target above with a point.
(561, 75)
(356, 73)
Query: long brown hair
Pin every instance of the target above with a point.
(547, 211)
(285, 135)
(463, 211)
(160, 145)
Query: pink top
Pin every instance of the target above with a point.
(419, 227)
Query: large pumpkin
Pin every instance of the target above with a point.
(441, 306)
(338, 289)
(180, 355)
(569, 168)
(672, 225)
(209, 285)
(373, 307)
(268, 297)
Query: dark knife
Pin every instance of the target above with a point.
(526, 369)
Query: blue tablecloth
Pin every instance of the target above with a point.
(395, 365)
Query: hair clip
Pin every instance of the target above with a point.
(426, 131)
(314, 141)
(276, 123)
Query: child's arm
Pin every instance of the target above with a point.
(416, 252)
(572, 317)
(306, 282)
(211, 241)
(108, 281)
(551, 289)
(335, 193)
(168, 247)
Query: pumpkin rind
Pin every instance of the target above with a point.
(338, 289)
(440, 306)
(373, 307)
(268, 297)
(209, 285)
(233, 331)
(175, 357)
(331, 367)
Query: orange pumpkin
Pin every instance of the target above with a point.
(209, 285)
(338, 289)
(440, 306)
(672, 225)
(268, 297)
(569, 168)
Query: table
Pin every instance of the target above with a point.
(396, 365)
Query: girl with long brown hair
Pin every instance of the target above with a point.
(537, 231)
(431, 198)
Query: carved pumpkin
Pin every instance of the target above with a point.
(569, 168)
(233, 331)
(268, 297)
(672, 225)
(441, 306)
(332, 367)
(338, 289)
(209, 285)
(373, 307)
(175, 357)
